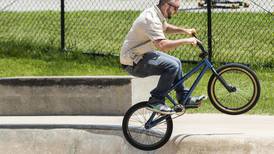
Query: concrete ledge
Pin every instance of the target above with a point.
(98, 95)
(99, 141)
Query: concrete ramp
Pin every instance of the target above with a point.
(77, 141)
(223, 134)
(59, 141)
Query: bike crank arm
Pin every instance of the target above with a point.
(151, 124)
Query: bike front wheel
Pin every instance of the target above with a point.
(137, 132)
(246, 91)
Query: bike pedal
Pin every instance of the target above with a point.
(179, 108)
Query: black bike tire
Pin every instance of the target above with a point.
(163, 141)
(252, 76)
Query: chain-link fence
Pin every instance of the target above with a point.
(244, 32)
(29, 24)
(241, 32)
(101, 26)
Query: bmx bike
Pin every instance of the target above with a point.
(232, 89)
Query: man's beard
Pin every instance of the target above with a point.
(169, 16)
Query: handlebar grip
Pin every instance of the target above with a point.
(200, 45)
(203, 55)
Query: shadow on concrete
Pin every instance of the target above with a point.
(182, 137)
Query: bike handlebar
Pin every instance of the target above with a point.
(200, 45)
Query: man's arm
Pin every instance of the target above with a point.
(166, 45)
(172, 29)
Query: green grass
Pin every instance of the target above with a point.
(21, 60)
(237, 37)
(11, 67)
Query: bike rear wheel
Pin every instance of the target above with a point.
(141, 137)
(244, 97)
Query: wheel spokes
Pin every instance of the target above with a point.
(138, 131)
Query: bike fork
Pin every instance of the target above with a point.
(228, 87)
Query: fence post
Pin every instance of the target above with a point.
(62, 25)
(209, 29)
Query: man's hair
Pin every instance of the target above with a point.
(162, 2)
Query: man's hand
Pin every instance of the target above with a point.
(191, 31)
(193, 41)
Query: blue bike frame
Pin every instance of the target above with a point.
(207, 65)
(204, 63)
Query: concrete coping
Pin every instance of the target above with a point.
(65, 80)
(58, 77)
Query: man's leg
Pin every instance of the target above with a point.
(156, 63)
(179, 74)
(181, 91)
(167, 68)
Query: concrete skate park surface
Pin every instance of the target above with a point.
(192, 133)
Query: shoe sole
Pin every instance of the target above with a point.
(198, 105)
(200, 101)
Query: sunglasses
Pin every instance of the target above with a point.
(176, 7)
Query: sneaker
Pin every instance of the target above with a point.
(181, 95)
(195, 101)
(159, 106)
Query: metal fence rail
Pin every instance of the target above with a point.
(236, 32)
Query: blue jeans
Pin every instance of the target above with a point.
(158, 63)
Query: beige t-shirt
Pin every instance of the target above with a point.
(148, 27)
